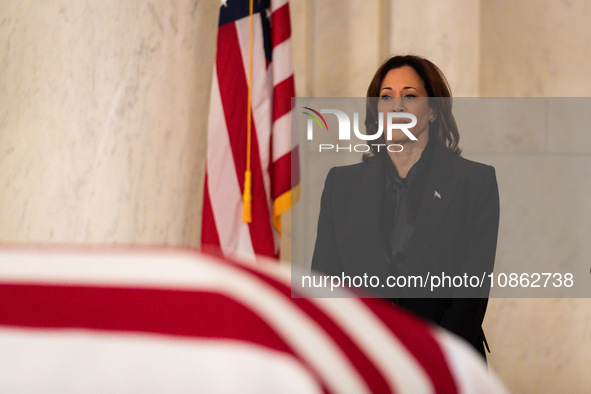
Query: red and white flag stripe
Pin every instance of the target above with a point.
(77, 320)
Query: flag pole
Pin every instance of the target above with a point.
(247, 194)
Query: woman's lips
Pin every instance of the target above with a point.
(400, 120)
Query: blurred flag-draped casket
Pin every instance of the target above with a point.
(145, 319)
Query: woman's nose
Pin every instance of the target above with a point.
(397, 105)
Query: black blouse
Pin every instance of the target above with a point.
(401, 204)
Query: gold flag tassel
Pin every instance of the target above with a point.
(247, 194)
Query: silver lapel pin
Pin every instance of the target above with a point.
(437, 195)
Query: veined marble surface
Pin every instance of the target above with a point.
(102, 120)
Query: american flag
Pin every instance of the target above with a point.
(274, 184)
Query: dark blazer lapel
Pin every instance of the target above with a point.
(368, 200)
(439, 192)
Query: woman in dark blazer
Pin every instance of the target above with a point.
(420, 210)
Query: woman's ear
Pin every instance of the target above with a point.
(432, 115)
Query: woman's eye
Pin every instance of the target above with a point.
(410, 96)
(384, 98)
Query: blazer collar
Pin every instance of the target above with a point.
(439, 193)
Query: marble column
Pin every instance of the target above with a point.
(540, 49)
(103, 111)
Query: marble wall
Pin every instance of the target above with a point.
(103, 111)
(541, 49)
(446, 32)
(102, 119)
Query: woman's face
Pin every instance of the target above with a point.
(403, 90)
